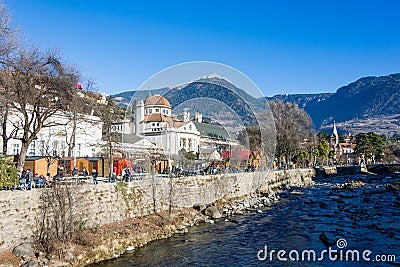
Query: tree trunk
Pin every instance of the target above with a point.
(71, 143)
(4, 132)
(22, 156)
(48, 166)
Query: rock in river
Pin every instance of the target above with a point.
(24, 249)
(212, 212)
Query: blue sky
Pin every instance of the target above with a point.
(283, 46)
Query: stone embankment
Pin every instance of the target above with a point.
(122, 217)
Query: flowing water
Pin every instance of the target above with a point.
(363, 217)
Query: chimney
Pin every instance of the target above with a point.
(186, 115)
(198, 117)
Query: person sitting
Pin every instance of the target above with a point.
(48, 180)
(35, 181)
(84, 172)
(41, 181)
(75, 171)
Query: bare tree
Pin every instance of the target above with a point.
(59, 217)
(82, 104)
(38, 86)
(9, 35)
(48, 149)
(293, 126)
(110, 114)
(9, 42)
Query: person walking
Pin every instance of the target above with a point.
(94, 175)
(29, 178)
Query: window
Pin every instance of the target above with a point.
(42, 148)
(32, 148)
(79, 150)
(183, 143)
(190, 144)
(55, 148)
(190, 127)
(150, 111)
(157, 110)
(153, 124)
(158, 124)
(15, 149)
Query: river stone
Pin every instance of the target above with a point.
(212, 212)
(374, 190)
(31, 263)
(323, 205)
(24, 249)
(199, 207)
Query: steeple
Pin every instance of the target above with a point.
(335, 134)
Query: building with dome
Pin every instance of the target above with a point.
(153, 121)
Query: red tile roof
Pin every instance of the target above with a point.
(157, 100)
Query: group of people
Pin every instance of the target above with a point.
(85, 173)
(127, 174)
(27, 180)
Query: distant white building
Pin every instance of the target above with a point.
(102, 100)
(54, 140)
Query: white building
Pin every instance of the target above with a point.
(154, 122)
(54, 140)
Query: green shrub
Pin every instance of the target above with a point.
(8, 174)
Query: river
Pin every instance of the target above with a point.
(364, 216)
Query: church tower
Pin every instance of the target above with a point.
(334, 136)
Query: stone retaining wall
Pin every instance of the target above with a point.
(110, 202)
(339, 170)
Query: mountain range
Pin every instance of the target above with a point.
(364, 98)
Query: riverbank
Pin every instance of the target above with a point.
(109, 240)
(360, 210)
